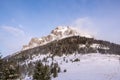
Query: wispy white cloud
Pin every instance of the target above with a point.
(14, 30)
(100, 28)
(85, 25)
(13, 38)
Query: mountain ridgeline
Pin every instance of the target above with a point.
(61, 41)
(69, 45)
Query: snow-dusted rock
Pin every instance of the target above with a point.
(56, 34)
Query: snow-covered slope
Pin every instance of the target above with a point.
(58, 33)
(94, 66)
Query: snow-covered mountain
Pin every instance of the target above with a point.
(58, 33)
(80, 57)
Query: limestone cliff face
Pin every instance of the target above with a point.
(56, 34)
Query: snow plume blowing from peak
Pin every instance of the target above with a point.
(85, 26)
(58, 33)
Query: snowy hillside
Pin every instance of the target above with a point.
(94, 66)
(74, 56)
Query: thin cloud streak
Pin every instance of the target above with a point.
(14, 31)
(13, 39)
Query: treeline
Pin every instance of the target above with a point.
(45, 72)
(36, 70)
(67, 46)
(8, 71)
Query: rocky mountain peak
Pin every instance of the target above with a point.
(56, 34)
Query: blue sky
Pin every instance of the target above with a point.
(20, 20)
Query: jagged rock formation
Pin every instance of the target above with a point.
(56, 34)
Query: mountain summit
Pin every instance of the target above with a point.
(58, 33)
(66, 54)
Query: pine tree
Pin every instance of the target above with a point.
(59, 70)
(1, 67)
(41, 72)
(55, 70)
(10, 73)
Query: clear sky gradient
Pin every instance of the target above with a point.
(20, 20)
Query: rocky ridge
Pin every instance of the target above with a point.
(58, 33)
